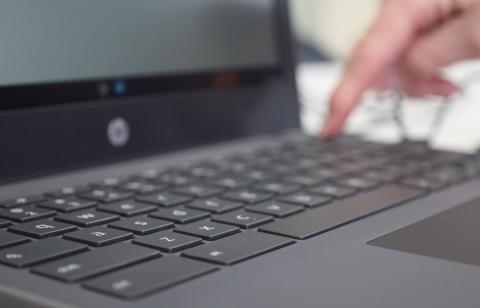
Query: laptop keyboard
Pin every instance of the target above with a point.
(136, 235)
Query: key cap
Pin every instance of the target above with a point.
(66, 191)
(4, 223)
(238, 247)
(208, 230)
(357, 182)
(340, 212)
(98, 236)
(87, 218)
(95, 262)
(10, 239)
(198, 190)
(204, 171)
(42, 228)
(215, 205)
(174, 178)
(304, 179)
(141, 188)
(106, 195)
(127, 208)
(110, 182)
(67, 204)
(275, 208)
(247, 196)
(168, 241)
(277, 187)
(243, 219)
(25, 214)
(165, 199)
(332, 190)
(423, 183)
(231, 181)
(149, 277)
(259, 174)
(179, 215)
(306, 199)
(40, 251)
(142, 225)
(21, 201)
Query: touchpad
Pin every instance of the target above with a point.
(452, 235)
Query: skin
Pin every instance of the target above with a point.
(405, 49)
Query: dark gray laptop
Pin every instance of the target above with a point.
(151, 156)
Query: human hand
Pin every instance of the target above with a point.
(408, 44)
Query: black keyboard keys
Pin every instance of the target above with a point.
(127, 208)
(277, 187)
(95, 262)
(9, 239)
(142, 225)
(275, 208)
(40, 251)
(106, 195)
(247, 196)
(208, 230)
(21, 201)
(66, 191)
(25, 214)
(4, 223)
(67, 204)
(215, 205)
(179, 215)
(199, 190)
(231, 181)
(98, 236)
(243, 219)
(42, 228)
(149, 277)
(333, 190)
(306, 199)
(141, 188)
(238, 247)
(87, 218)
(168, 241)
(165, 199)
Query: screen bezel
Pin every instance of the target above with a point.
(59, 137)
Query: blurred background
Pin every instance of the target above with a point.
(326, 31)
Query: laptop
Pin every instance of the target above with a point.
(152, 157)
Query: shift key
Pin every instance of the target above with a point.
(95, 262)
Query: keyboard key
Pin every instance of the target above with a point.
(4, 223)
(168, 241)
(259, 174)
(198, 190)
(25, 214)
(149, 277)
(98, 236)
(21, 201)
(231, 181)
(304, 179)
(40, 251)
(247, 196)
(87, 218)
(357, 182)
(110, 182)
(142, 188)
(340, 212)
(175, 178)
(66, 191)
(180, 215)
(42, 228)
(165, 199)
(306, 199)
(215, 205)
(238, 247)
(127, 208)
(106, 195)
(95, 262)
(142, 225)
(333, 190)
(277, 187)
(423, 183)
(67, 204)
(208, 230)
(275, 208)
(204, 170)
(243, 219)
(10, 239)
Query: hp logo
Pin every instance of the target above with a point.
(118, 132)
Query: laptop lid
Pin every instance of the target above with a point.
(84, 83)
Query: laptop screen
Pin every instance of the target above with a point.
(57, 51)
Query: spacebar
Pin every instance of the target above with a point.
(319, 220)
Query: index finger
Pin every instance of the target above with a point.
(396, 27)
